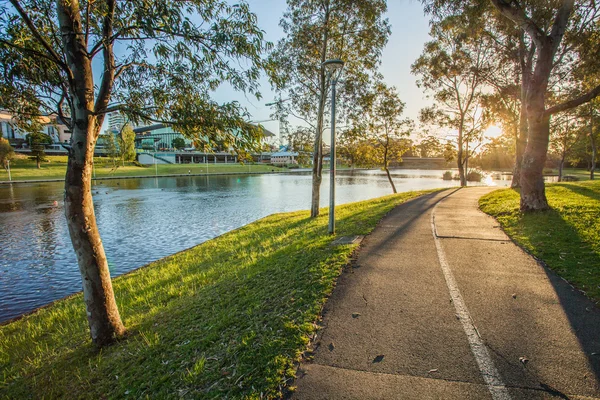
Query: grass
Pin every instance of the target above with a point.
(55, 168)
(566, 238)
(225, 319)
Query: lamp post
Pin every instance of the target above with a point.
(8, 164)
(332, 66)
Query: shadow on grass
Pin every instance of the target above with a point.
(584, 191)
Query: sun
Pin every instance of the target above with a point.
(493, 132)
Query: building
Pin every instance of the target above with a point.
(284, 158)
(116, 121)
(157, 137)
(52, 125)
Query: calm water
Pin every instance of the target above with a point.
(142, 220)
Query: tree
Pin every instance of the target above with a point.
(171, 56)
(384, 129)
(564, 135)
(110, 147)
(126, 141)
(454, 67)
(429, 146)
(557, 40)
(317, 30)
(301, 140)
(178, 143)
(37, 142)
(498, 153)
(547, 26)
(6, 152)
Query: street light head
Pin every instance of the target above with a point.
(333, 65)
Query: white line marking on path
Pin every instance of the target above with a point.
(490, 374)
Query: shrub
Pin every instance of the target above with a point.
(447, 176)
(474, 176)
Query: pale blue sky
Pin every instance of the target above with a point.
(409, 32)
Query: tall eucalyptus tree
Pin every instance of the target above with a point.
(155, 60)
(316, 30)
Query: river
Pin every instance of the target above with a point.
(143, 220)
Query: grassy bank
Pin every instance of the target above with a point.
(566, 238)
(225, 319)
(24, 169)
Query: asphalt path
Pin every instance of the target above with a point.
(440, 304)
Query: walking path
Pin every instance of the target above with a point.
(440, 304)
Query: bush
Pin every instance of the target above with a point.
(474, 176)
(447, 176)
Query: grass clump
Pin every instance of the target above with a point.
(566, 238)
(225, 319)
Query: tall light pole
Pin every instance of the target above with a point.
(333, 67)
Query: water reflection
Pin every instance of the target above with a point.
(142, 220)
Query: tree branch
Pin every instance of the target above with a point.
(108, 75)
(55, 57)
(575, 102)
(514, 12)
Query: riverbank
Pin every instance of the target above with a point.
(566, 238)
(228, 318)
(25, 170)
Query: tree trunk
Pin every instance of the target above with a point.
(533, 196)
(37, 162)
(521, 144)
(594, 149)
(385, 162)
(561, 166)
(387, 171)
(459, 160)
(101, 308)
(317, 170)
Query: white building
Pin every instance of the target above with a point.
(52, 126)
(116, 121)
(284, 158)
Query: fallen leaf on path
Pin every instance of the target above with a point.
(355, 315)
(331, 346)
(524, 360)
(431, 371)
(514, 296)
(379, 358)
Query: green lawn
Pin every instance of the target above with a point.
(24, 169)
(226, 319)
(566, 238)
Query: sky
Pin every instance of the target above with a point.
(410, 28)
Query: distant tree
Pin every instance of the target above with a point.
(453, 67)
(110, 147)
(352, 30)
(498, 153)
(173, 56)
(429, 146)
(384, 129)
(6, 152)
(126, 142)
(37, 140)
(178, 143)
(564, 135)
(301, 141)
